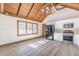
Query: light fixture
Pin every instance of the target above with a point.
(51, 9)
(48, 9)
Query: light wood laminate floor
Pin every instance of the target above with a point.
(40, 47)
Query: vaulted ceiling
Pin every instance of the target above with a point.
(31, 11)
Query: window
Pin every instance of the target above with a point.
(29, 28)
(26, 28)
(21, 28)
(35, 28)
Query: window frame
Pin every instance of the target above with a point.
(26, 28)
(18, 28)
(32, 28)
(36, 28)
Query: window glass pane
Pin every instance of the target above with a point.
(29, 28)
(22, 28)
(35, 28)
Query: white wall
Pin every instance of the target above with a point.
(62, 14)
(8, 30)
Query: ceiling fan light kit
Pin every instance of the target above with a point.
(51, 9)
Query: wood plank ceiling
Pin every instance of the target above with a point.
(31, 11)
(71, 5)
(11, 8)
(24, 9)
(0, 7)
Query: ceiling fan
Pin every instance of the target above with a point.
(51, 9)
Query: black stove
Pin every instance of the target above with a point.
(68, 35)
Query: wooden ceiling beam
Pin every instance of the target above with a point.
(18, 9)
(35, 10)
(2, 7)
(30, 10)
(24, 9)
